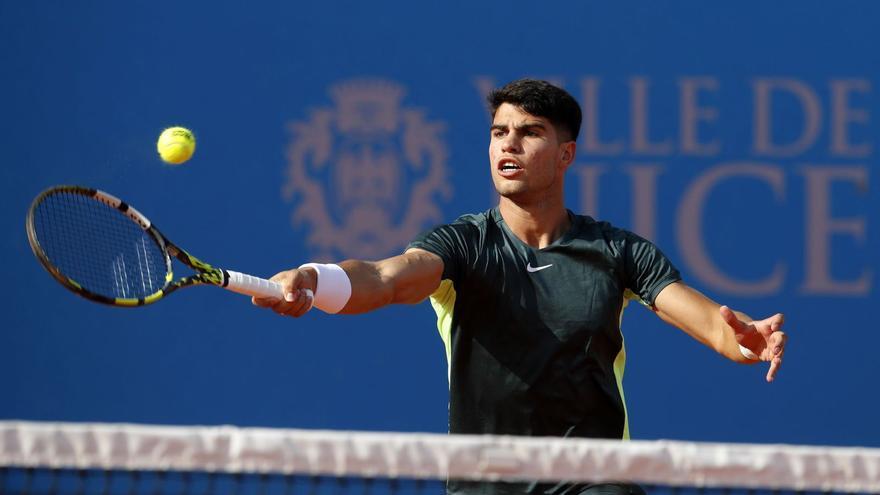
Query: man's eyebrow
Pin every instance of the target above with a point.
(527, 125)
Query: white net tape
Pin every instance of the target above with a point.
(434, 456)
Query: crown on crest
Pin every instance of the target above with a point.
(367, 106)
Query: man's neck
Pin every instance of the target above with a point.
(537, 225)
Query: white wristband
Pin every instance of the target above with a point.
(333, 288)
(748, 354)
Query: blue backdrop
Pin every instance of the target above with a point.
(740, 136)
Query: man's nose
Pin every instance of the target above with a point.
(511, 143)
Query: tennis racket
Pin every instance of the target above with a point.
(102, 249)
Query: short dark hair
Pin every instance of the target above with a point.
(542, 99)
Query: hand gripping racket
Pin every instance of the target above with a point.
(101, 248)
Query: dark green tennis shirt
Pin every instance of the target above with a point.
(532, 336)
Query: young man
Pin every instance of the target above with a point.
(529, 295)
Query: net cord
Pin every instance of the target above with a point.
(436, 456)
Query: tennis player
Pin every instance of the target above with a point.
(529, 296)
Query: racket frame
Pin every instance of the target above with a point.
(205, 273)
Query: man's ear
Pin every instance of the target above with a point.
(568, 152)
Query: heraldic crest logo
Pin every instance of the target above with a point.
(366, 175)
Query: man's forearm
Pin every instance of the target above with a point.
(369, 290)
(701, 318)
(405, 279)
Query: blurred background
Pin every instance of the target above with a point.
(739, 136)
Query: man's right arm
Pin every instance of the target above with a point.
(408, 278)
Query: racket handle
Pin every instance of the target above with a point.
(252, 286)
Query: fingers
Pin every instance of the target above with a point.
(776, 343)
(774, 368)
(298, 294)
(776, 322)
(295, 304)
(263, 302)
(771, 325)
(732, 321)
(776, 348)
(766, 335)
(286, 279)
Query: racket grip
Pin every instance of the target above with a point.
(252, 286)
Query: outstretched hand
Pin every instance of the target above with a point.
(764, 338)
(298, 287)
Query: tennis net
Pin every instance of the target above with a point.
(86, 458)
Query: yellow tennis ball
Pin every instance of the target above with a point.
(176, 145)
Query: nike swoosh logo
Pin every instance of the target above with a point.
(533, 269)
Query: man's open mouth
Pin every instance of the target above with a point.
(508, 166)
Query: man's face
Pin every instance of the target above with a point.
(526, 155)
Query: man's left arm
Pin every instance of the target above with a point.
(731, 333)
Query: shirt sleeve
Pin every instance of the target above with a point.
(648, 271)
(449, 242)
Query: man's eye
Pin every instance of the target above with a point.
(497, 133)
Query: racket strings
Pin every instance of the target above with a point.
(98, 247)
